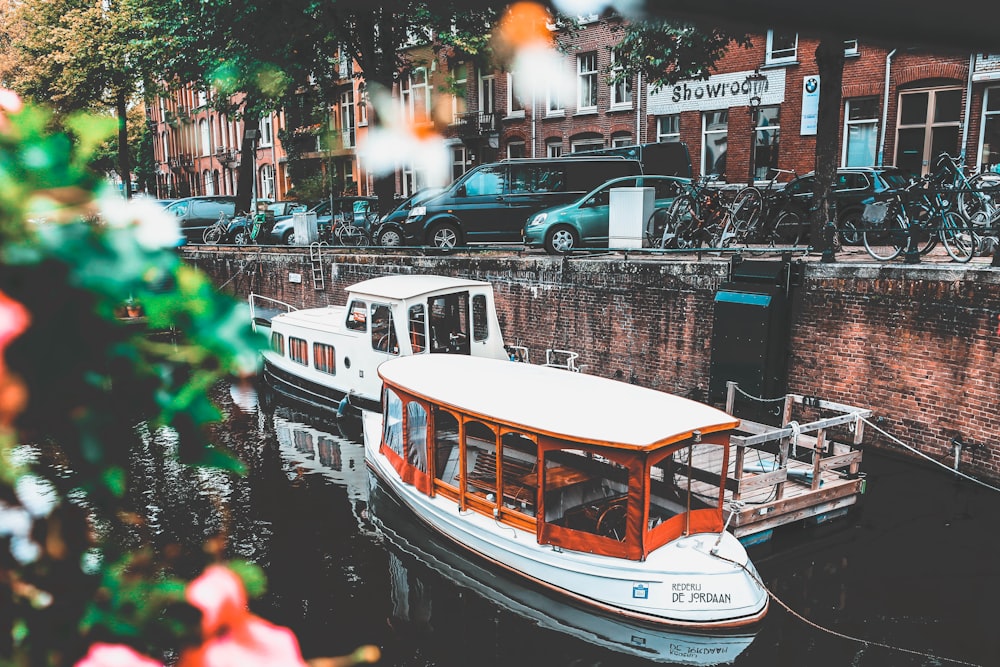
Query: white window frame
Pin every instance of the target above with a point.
(848, 124)
(511, 144)
(487, 93)
(622, 140)
(266, 174)
(458, 102)
(553, 100)
(347, 127)
(586, 82)
(988, 97)
(205, 132)
(513, 99)
(553, 148)
(208, 182)
(586, 145)
(266, 133)
(621, 89)
(362, 111)
(783, 55)
(851, 47)
(705, 134)
(672, 135)
(416, 88)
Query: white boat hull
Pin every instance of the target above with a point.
(696, 581)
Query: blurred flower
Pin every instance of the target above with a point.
(523, 39)
(231, 634)
(397, 142)
(115, 655)
(154, 228)
(9, 103)
(14, 320)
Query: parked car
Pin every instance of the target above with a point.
(490, 203)
(390, 230)
(854, 185)
(361, 210)
(195, 214)
(585, 221)
(287, 207)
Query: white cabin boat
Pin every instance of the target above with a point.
(328, 356)
(580, 483)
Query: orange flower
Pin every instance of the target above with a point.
(14, 320)
(231, 634)
(115, 655)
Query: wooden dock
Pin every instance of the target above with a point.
(797, 472)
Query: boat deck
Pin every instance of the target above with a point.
(780, 475)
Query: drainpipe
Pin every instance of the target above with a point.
(885, 108)
(638, 108)
(534, 139)
(968, 110)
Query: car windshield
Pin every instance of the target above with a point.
(895, 179)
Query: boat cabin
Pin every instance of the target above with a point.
(583, 462)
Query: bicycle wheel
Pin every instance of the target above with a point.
(789, 229)
(983, 195)
(681, 229)
(885, 240)
(924, 228)
(958, 238)
(746, 212)
(213, 235)
(352, 235)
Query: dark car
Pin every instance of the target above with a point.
(390, 230)
(854, 185)
(195, 214)
(362, 211)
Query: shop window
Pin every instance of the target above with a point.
(715, 141)
(766, 135)
(860, 132)
(989, 152)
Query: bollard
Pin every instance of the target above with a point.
(829, 232)
(911, 255)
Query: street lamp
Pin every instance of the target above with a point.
(753, 88)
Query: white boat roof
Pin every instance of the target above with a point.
(554, 401)
(409, 286)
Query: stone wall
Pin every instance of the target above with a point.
(918, 344)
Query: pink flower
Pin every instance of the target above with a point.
(9, 103)
(14, 319)
(232, 636)
(115, 655)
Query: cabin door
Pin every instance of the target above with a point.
(449, 323)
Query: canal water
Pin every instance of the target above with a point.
(912, 578)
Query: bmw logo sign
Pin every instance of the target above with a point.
(811, 85)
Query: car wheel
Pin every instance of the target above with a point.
(561, 240)
(389, 237)
(289, 237)
(849, 223)
(241, 236)
(444, 236)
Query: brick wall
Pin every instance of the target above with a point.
(919, 344)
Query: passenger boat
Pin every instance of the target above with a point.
(581, 484)
(327, 357)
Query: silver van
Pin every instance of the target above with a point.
(490, 203)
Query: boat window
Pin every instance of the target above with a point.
(665, 500)
(278, 343)
(480, 326)
(383, 331)
(392, 430)
(298, 350)
(481, 460)
(325, 358)
(418, 328)
(357, 316)
(449, 322)
(446, 447)
(416, 436)
(698, 458)
(519, 480)
(586, 492)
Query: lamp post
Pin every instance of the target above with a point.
(753, 87)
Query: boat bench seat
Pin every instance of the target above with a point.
(484, 476)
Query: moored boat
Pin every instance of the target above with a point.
(327, 357)
(579, 483)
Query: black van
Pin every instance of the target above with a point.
(490, 203)
(662, 158)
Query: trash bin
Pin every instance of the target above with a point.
(629, 211)
(306, 229)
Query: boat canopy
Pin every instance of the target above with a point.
(408, 286)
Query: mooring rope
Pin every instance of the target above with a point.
(924, 456)
(835, 633)
(758, 398)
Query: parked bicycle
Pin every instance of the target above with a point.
(765, 216)
(699, 217)
(255, 229)
(217, 232)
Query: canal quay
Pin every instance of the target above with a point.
(906, 579)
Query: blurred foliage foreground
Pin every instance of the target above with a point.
(78, 376)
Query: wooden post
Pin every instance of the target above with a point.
(730, 396)
(818, 456)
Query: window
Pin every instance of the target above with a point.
(416, 436)
(487, 94)
(860, 132)
(392, 430)
(457, 161)
(621, 90)
(206, 137)
(715, 141)
(267, 181)
(989, 150)
(347, 119)
(357, 316)
(345, 63)
(418, 328)
(586, 71)
(298, 350)
(515, 107)
(362, 111)
(266, 133)
(446, 458)
(553, 147)
(516, 149)
(486, 181)
(621, 139)
(415, 96)
(449, 323)
(781, 47)
(325, 358)
(278, 343)
(586, 144)
(519, 480)
(460, 79)
(206, 178)
(668, 128)
(553, 99)
(766, 131)
(383, 329)
(851, 47)
(929, 124)
(480, 324)
(586, 492)
(481, 460)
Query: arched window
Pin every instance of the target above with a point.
(206, 137)
(206, 177)
(267, 181)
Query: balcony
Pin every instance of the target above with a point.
(476, 123)
(227, 157)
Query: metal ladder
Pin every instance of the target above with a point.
(316, 259)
